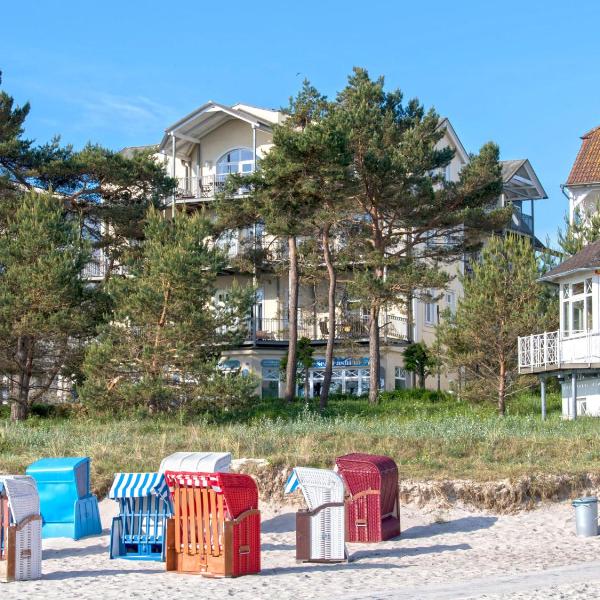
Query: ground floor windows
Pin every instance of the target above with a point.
(270, 382)
(343, 381)
(400, 378)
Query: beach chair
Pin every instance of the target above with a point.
(372, 501)
(138, 532)
(215, 528)
(197, 462)
(69, 509)
(320, 527)
(20, 529)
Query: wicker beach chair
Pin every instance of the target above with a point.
(68, 507)
(138, 532)
(320, 527)
(20, 529)
(372, 502)
(215, 528)
(198, 462)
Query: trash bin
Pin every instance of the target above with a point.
(586, 516)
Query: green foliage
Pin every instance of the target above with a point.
(161, 347)
(502, 301)
(46, 311)
(418, 359)
(584, 230)
(107, 193)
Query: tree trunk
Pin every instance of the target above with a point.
(421, 379)
(291, 368)
(502, 388)
(331, 320)
(19, 409)
(374, 358)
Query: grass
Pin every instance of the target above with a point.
(429, 435)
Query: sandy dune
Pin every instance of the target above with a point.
(441, 555)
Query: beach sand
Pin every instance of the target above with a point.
(442, 554)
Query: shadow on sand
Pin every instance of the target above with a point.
(463, 525)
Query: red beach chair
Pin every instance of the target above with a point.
(372, 502)
(215, 528)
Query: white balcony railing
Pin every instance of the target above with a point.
(552, 349)
(204, 186)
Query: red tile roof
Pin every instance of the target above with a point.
(586, 168)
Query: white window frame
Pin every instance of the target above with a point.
(568, 298)
(430, 319)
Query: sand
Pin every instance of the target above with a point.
(442, 554)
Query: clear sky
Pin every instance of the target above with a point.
(525, 74)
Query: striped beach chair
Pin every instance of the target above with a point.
(69, 509)
(20, 529)
(215, 528)
(372, 498)
(319, 528)
(138, 532)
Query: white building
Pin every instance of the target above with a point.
(203, 148)
(573, 352)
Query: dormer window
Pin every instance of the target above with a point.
(577, 311)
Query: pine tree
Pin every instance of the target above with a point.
(287, 192)
(410, 221)
(46, 311)
(502, 301)
(167, 333)
(107, 192)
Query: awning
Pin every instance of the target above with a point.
(138, 485)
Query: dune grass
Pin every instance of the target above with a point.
(429, 435)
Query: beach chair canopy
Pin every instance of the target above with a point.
(138, 485)
(22, 494)
(319, 486)
(361, 472)
(198, 462)
(73, 472)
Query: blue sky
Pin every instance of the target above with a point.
(525, 74)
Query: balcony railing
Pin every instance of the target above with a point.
(204, 187)
(392, 328)
(552, 349)
(96, 269)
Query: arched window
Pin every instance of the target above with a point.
(240, 160)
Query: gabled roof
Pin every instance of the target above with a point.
(585, 260)
(189, 129)
(586, 168)
(460, 149)
(520, 181)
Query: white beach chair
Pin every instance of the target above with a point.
(196, 462)
(20, 529)
(320, 529)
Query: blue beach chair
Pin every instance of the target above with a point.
(138, 532)
(68, 507)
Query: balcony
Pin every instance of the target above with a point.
(393, 329)
(553, 350)
(96, 269)
(521, 222)
(204, 187)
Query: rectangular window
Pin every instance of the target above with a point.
(270, 382)
(566, 325)
(589, 319)
(430, 309)
(577, 316)
(451, 302)
(577, 288)
(400, 378)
